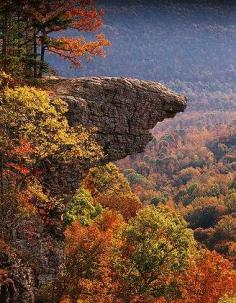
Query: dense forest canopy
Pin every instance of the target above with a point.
(158, 227)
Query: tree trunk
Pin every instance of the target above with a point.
(42, 55)
(4, 42)
(35, 55)
(1, 181)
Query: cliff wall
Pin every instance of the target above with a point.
(123, 111)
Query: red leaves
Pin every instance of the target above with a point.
(127, 204)
(36, 25)
(84, 19)
(24, 148)
(18, 168)
(19, 153)
(72, 14)
(89, 252)
(73, 49)
(98, 235)
(208, 280)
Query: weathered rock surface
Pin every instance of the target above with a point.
(123, 110)
(16, 278)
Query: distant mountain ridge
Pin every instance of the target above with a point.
(188, 45)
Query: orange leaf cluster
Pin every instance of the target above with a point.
(89, 250)
(73, 49)
(85, 20)
(211, 278)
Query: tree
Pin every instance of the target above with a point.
(226, 228)
(208, 280)
(187, 174)
(33, 129)
(89, 253)
(30, 117)
(230, 202)
(109, 188)
(186, 196)
(27, 29)
(106, 179)
(82, 208)
(206, 236)
(155, 249)
(227, 300)
(205, 212)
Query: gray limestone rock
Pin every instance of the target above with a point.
(123, 110)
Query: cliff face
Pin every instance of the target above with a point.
(123, 111)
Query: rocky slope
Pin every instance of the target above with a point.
(123, 111)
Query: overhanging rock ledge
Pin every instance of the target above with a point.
(122, 109)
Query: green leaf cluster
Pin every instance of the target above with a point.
(82, 208)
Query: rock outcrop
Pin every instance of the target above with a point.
(123, 110)
(16, 278)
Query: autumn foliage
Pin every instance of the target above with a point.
(110, 189)
(32, 28)
(209, 279)
(159, 229)
(33, 129)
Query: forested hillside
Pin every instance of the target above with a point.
(190, 165)
(157, 227)
(193, 171)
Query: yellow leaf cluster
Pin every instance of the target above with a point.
(27, 113)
